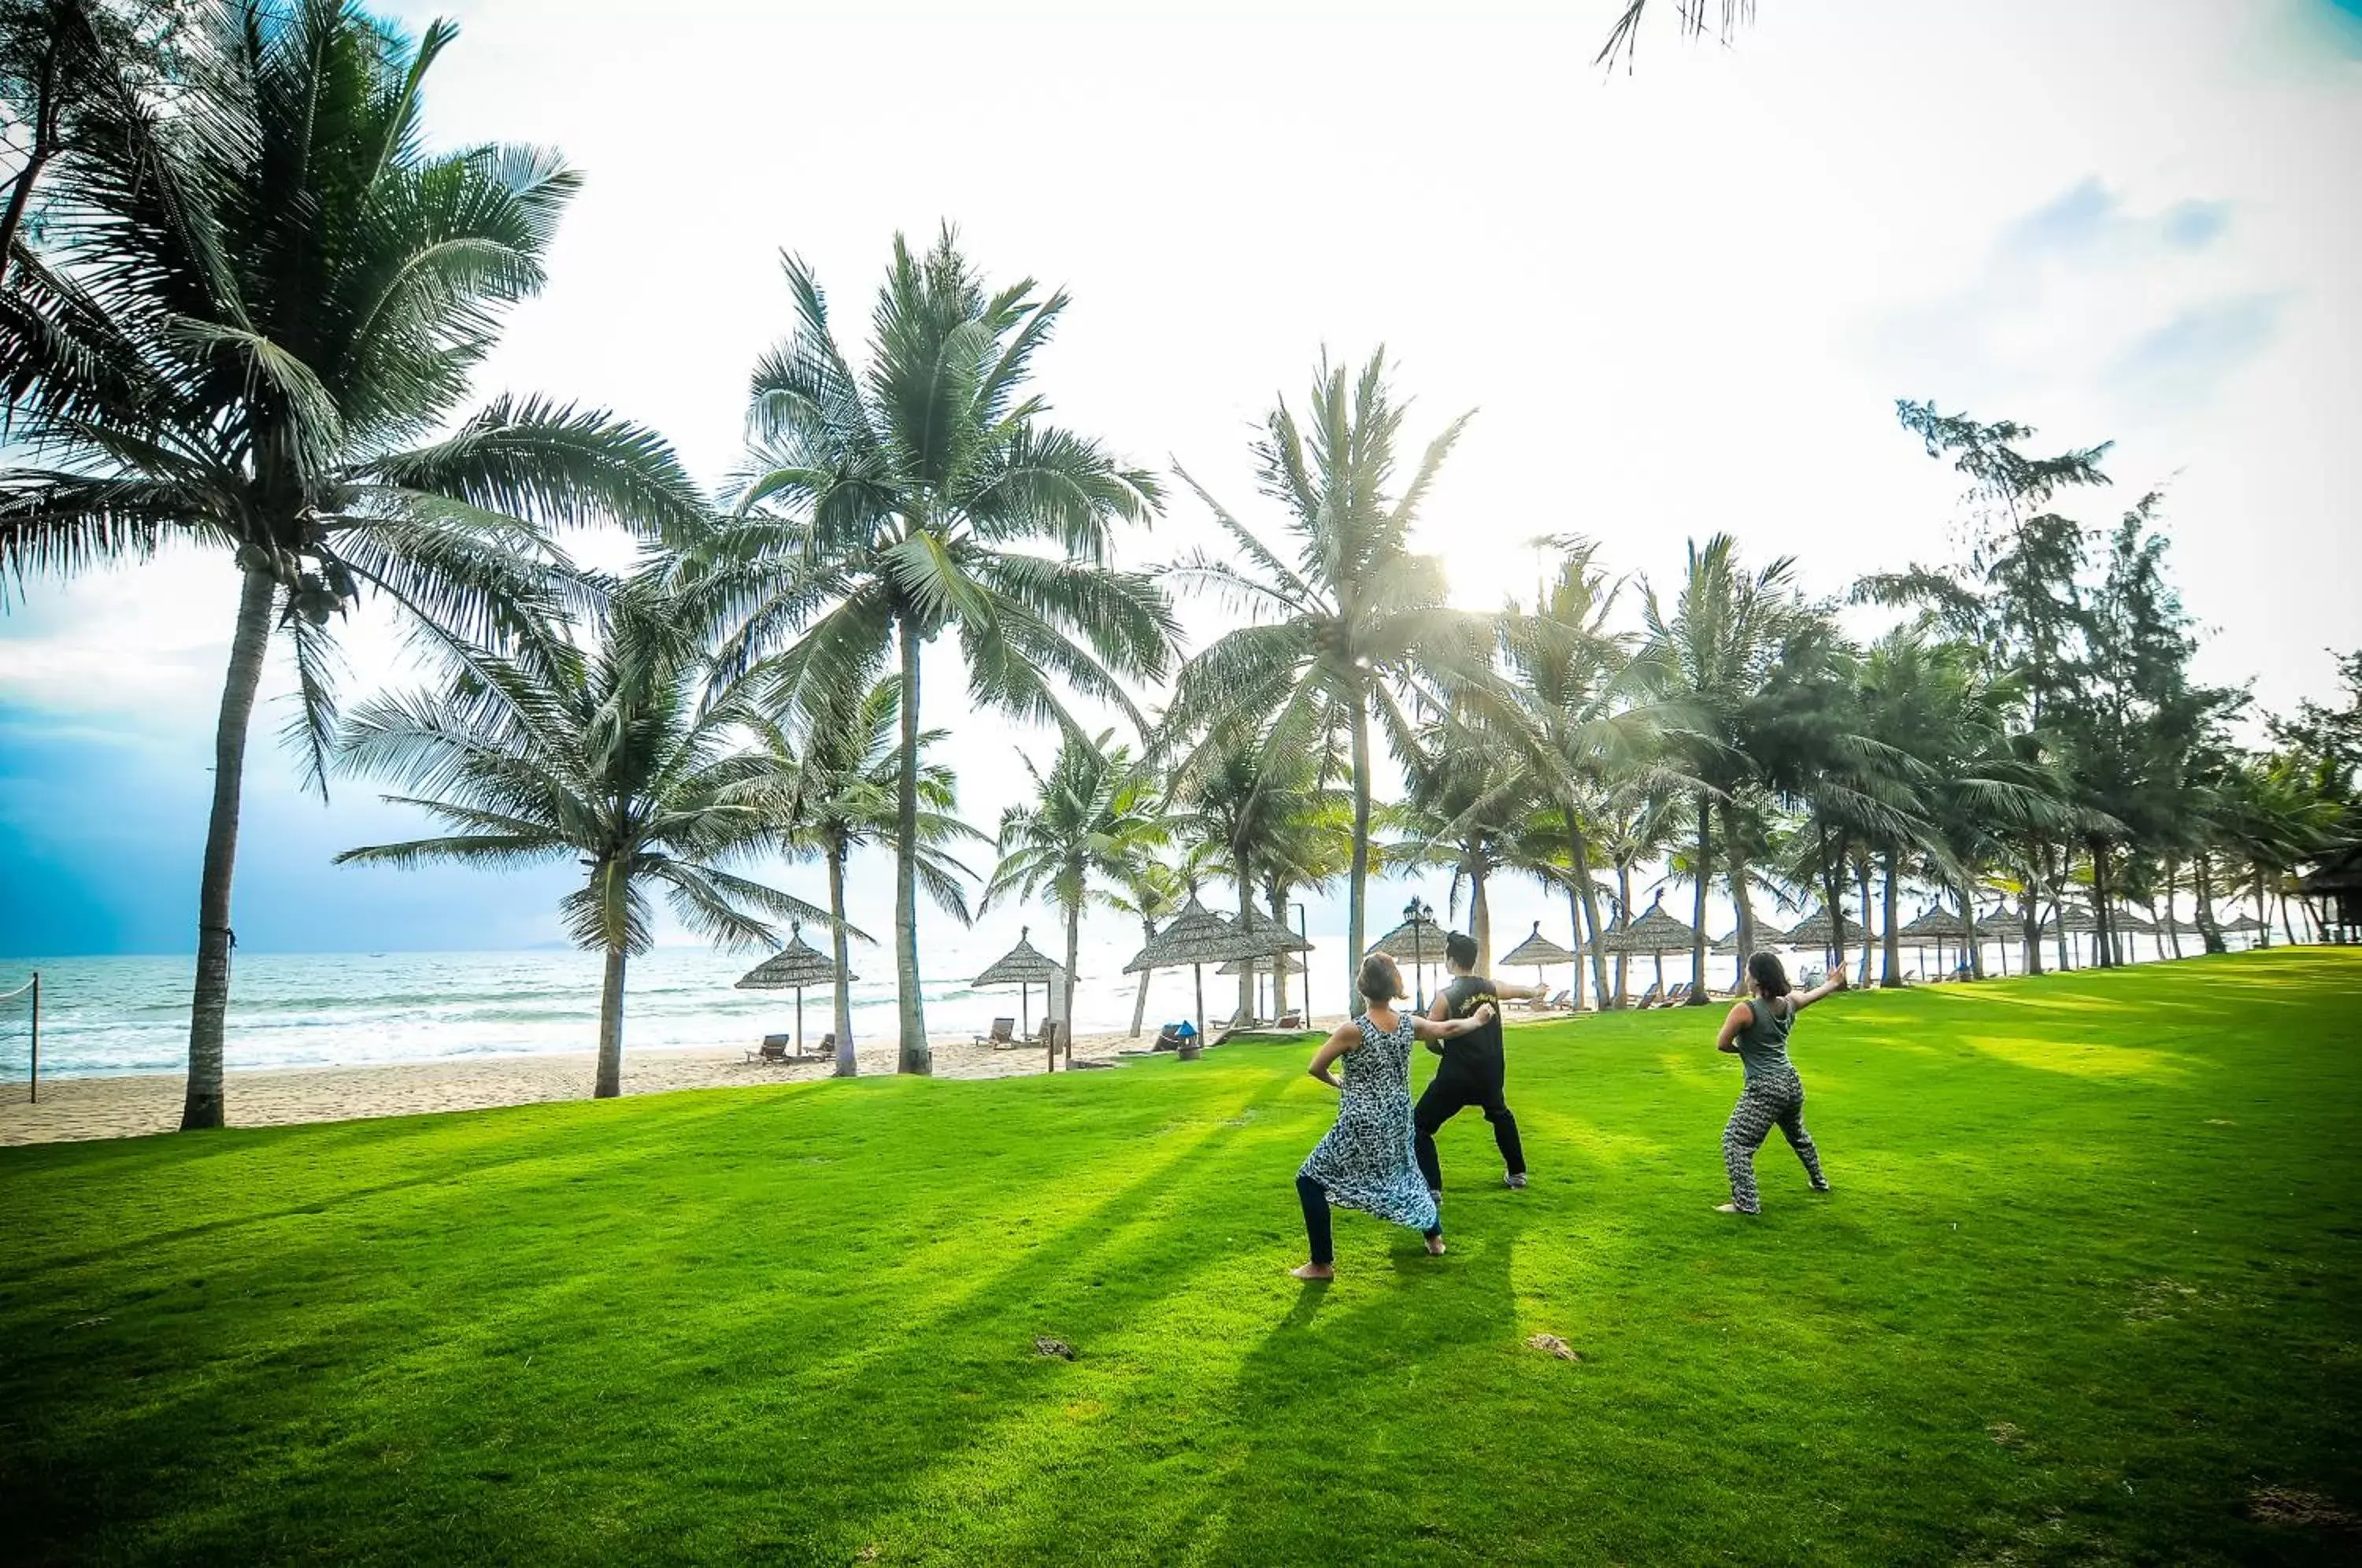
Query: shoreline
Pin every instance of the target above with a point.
(74, 1109)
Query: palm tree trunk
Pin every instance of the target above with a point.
(1833, 878)
(1248, 977)
(916, 1055)
(1624, 916)
(846, 1065)
(1140, 997)
(2263, 912)
(2171, 927)
(1889, 949)
(1065, 1030)
(209, 1006)
(1742, 930)
(1358, 887)
(2210, 932)
(1861, 871)
(1704, 870)
(2029, 921)
(1277, 893)
(1976, 942)
(1480, 917)
(2103, 944)
(1579, 856)
(2054, 877)
(611, 1029)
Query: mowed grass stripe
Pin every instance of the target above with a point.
(2087, 1287)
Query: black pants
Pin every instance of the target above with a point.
(1446, 1094)
(1315, 1198)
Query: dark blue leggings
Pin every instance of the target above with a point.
(1315, 1198)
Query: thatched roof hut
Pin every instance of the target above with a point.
(793, 968)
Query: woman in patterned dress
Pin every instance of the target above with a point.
(1366, 1162)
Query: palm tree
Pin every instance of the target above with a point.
(620, 759)
(880, 511)
(1577, 683)
(1243, 803)
(1356, 627)
(1634, 827)
(1150, 889)
(1092, 820)
(1466, 797)
(1727, 638)
(251, 317)
(840, 764)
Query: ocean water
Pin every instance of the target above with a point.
(130, 1014)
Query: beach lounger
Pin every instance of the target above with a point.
(1562, 1002)
(1290, 1021)
(824, 1052)
(773, 1049)
(1004, 1033)
(1648, 998)
(1676, 994)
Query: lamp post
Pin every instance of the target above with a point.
(1421, 914)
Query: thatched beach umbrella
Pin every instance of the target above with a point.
(1195, 938)
(1268, 963)
(1272, 937)
(1418, 942)
(1939, 925)
(2132, 925)
(1817, 930)
(1657, 933)
(1024, 966)
(1767, 937)
(1536, 952)
(793, 968)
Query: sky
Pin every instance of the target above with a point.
(1680, 300)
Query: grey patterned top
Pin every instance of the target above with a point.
(1365, 1162)
(1764, 1043)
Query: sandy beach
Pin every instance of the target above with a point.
(132, 1104)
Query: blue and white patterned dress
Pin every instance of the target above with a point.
(1366, 1161)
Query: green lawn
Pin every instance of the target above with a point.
(2086, 1292)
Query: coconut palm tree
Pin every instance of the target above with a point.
(1243, 804)
(1466, 795)
(248, 320)
(840, 764)
(620, 759)
(1580, 694)
(1730, 632)
(1355, 627)
(1092, 820)
(1150, 889)
(927, 497)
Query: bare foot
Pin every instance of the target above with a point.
(1731, 1209)
(1435, 1246)
(1314, 1271)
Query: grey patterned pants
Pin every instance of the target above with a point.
(1762, 1105)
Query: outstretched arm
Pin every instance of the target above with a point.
(1733, 1023)
(1441, 1014)
(1799, 1000)
(1451, 1029)
(1348, 1038)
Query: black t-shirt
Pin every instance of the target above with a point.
(1478, 1051)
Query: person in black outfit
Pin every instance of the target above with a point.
(1473, 1070)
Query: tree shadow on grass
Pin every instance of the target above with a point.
(698, 1408)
